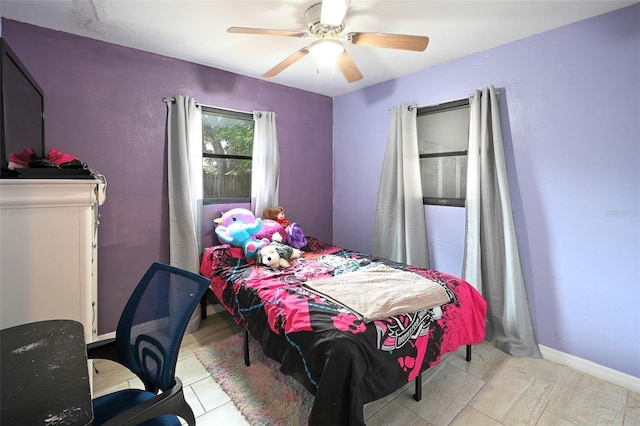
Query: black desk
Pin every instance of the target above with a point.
(44, 375)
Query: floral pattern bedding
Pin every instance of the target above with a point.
(342, 360)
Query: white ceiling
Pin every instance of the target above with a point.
(195, 30)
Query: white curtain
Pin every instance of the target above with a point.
(184, 141)
(265, 174)
(492, 260)
(400, 231)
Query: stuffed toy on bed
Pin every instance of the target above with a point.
(238, 227)
(276, 255)
(293, 233)
(277, 214)
(273, 231)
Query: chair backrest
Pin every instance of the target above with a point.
(154, 320)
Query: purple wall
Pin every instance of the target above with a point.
(104, 105)
(570, 102)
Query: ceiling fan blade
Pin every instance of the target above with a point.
(348, 68)
(333, 12)
(264, 31)
(286, 63)
(389, 41)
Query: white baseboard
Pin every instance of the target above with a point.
(588, 367)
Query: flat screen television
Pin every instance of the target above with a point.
(21, 108)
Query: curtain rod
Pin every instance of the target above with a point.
(409, 107)
(173, 101)
(198, 104)
(498, 91)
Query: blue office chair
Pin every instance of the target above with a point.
(147, 342)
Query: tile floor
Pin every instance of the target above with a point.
(493, 389)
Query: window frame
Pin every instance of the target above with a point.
(444, 201)
(240, 115)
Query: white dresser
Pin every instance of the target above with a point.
(48, 251)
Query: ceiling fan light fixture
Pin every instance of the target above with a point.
(326, 51)
(325, 23)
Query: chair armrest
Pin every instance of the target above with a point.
(107, 349)
(170, 402)
(103, 349)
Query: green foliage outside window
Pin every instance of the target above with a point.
(227, 146)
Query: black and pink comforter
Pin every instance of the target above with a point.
(340, 359)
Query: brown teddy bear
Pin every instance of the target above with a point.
(277, 214)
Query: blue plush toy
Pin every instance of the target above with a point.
(237, 227)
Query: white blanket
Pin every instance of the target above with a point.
(379, 291)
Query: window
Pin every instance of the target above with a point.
(443, 136)
(227, 146)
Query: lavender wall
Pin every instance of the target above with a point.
(570, 102)
(104, 105)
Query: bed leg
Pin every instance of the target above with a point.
(207, 298)
(203, 307)
(418, 395)
(245, 347)
(468, 353)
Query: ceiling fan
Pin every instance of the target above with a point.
(325, 22)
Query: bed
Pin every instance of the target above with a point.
(343, 356)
